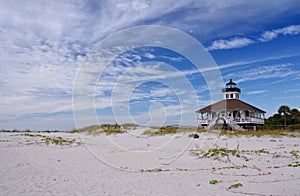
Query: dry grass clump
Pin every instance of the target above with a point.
(58, 141)
(129, 126)
(52, 140)
(99, 129)
(87, 129)
(171, 130)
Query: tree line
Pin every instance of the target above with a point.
(284, 116)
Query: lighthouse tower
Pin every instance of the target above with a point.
(231, 91)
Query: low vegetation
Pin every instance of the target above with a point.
(156, 131)
(112, 131)
(230, 157)
(295, 153)
(214, 182)
(154, 170)
(99, 129)
(129, 126)
(28, 131)
(224, 152)
(235, 185)
(261, 132)
(221, 153)
(56, 140)
(294, 165)
(170, 130)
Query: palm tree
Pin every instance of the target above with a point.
(284, 109)
(295, 113)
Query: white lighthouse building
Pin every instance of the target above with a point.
(231, 112)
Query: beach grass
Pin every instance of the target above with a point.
(106, 131)
(235, 185)
(230, 156)
(100, 129)
(129, 126)
(170, 130)
(56, 140)
(258, 133)
(261, 133)
(91, 128)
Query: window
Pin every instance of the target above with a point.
(227, 96)
(231, 96)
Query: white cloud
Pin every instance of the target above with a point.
(239, 42)
(290, 30)
(149, 55)
(256, 92)
(270, 35)
(236, 42)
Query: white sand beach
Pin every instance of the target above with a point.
(33, 165)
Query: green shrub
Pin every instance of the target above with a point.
(213, 182)
(236, 185)
(58, 141)
(53, 140)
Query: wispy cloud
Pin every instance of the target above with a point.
(291, 90)
(236, 42)
(239, 42)
(256, 92)
(288, 97)
(275, 71)
(270, 35)
(254, 61)
(239, 63)
(275, 82)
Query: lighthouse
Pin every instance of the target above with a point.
(231, 111)
(231, 91)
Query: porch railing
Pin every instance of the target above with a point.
(236, 120)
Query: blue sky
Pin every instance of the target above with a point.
(44, 44)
